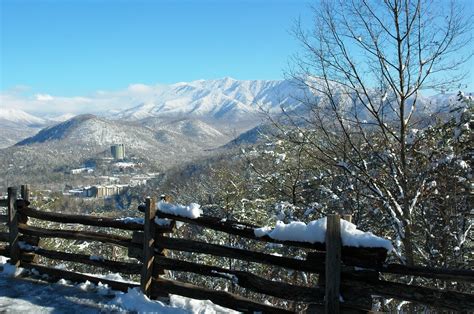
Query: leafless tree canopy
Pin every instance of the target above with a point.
(368, 61)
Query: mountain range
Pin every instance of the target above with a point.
(164, 124)
(229, 105)
(219, 100)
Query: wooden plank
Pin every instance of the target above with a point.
(333, 264)
(440, 299)
(24, 256)
(222, 298)
(136, 252)
(4, 237)
(114, 266)
(137, 237)
(466, 275)
(246, 255)
(82, 219)
(258, 284)
(148, 247)
(13, 225)
(56, 274)
(77, 235)
(237, 228)
(246, 280)
(313, 307)
(354, 256)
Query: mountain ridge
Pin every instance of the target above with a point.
(221, 99)
(228, 106)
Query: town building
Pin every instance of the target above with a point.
(118, 151)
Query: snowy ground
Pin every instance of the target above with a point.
(22, 295)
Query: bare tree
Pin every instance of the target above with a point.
(366, 63)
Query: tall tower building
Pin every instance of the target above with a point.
(118, 151)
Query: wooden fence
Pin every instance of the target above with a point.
(348, 276)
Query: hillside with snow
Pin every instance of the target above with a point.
(155, 142)
(16, 125)
(92, 131)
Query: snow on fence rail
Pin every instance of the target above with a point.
(352, 272)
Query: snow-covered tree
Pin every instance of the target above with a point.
(367, 63)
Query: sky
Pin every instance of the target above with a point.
(74, 47)
(69, 51)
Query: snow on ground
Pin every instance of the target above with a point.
(34, 296)
(315, 231)
(134, 300)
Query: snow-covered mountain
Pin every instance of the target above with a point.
(209, 109)
(238, 102)
(225, 105)
(20, 117)
(16, 125)
(61, 117)
(223, 99)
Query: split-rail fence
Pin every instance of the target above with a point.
(348, 276)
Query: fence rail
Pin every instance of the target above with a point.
(348, 271)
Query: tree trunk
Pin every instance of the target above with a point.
(408, 244)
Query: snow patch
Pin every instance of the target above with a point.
(192, 211)
(128, 220)
(135, 301)
(10, 270)
(198, 306)
(260, 232)
(315, 231)
(162, 222)
(86, 286)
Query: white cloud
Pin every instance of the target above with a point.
(99, 102)
(139, 88)
(43, 97)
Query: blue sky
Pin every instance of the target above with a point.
(75, 47)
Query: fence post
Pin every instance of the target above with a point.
(333, 263)
(25, 192)
(13, 227)
(148, 246)
(25, 195)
